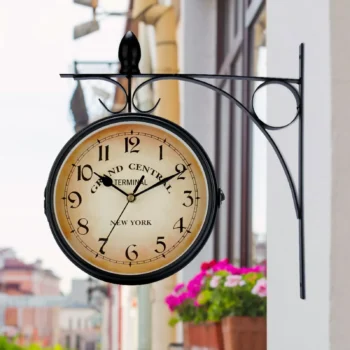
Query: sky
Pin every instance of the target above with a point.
(36, 45)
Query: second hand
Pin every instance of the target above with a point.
(132, 198)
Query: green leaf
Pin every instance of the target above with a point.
(204, 297)
(173, 321)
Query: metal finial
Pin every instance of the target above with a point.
(129, 54)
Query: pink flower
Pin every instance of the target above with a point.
(205, 266)
(183, 296)
(212, 263)
(233, 281)
(172, 302)
(194, 286)
(224, 261)
(179, 287)
(260, 288)
(214, 282)
(196, 304)
(233, 269)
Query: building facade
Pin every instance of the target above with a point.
(257, 38)
(23, 280)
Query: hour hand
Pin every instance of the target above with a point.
(108, 182)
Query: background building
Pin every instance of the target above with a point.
(33, 308)
(78, 328)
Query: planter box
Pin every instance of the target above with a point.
(205, 336)
(244, 333)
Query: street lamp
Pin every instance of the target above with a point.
(104, 289)
(92, 26)
(89, 3)
(78, 105)
(86, 28)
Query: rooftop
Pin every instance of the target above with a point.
(14, 263)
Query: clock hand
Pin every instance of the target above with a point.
(138, 185)
(166, 179)
(108, 182)
(105, 240)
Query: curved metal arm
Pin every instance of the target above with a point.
(252, 115)
(108, 79)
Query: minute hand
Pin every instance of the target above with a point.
(166, 179)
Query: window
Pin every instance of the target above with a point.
(240, 35)
(77, 342)
(67, 341)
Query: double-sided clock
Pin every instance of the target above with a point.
(131, 199)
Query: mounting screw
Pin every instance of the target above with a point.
(221, 196)
(129, 54)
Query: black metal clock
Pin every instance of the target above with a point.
(132, 199)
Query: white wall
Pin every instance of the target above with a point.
(294, 323)
(129, 319)
(115, 316)
(197, 54)
(340, 129)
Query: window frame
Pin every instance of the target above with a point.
(241, 45)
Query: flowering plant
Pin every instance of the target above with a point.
(219, 290)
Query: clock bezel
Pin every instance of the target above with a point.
(188, 255)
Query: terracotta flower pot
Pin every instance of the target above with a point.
(187, 337)
(213, 336)
(244, 333)
(193, 335)
(206, 336)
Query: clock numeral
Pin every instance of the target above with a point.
(72, 200)
(132, 141)
(85, 172)
(181, 225)
(83, 228)
(190, 198)
(180, 168)
(103, 152)
(160, 152)
(104, 240)
(134, 252)
(159, 241)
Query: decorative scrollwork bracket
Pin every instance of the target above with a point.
(129, 57)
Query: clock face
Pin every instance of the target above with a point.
(131, 198)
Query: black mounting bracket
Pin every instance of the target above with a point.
(130, 55)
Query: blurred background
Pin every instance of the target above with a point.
(43, 296)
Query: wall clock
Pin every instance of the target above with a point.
(132, 199)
